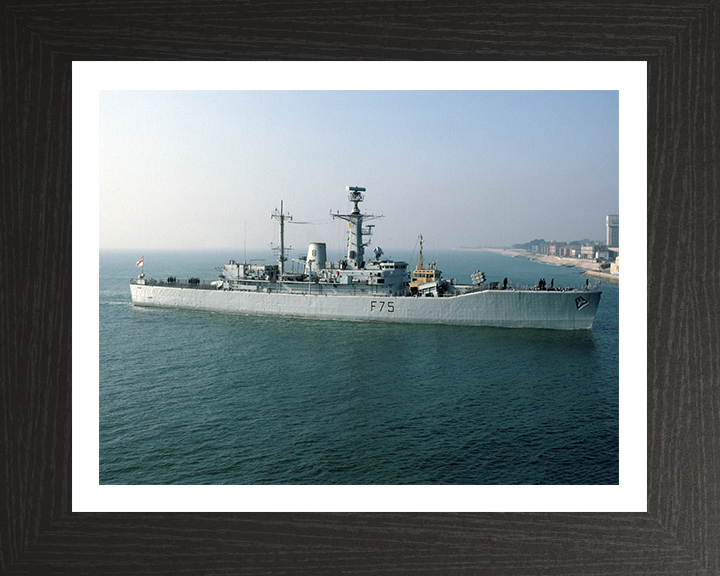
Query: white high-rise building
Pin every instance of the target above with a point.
(612, 227)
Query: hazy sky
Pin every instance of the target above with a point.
(205, 169)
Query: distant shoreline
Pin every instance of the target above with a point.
(589, 267)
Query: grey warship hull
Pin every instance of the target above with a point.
(562, 310)
(371, 290)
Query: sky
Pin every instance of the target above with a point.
(187, 170)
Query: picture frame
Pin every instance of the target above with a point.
(679, 532)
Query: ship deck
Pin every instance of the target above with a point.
(359, 289)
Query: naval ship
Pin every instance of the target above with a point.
(373, 289)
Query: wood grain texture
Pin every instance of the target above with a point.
(681, 531)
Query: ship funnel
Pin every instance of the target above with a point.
(316, 256)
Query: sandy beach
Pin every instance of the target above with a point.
(591, 268)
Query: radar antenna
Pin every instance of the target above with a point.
(355, 197)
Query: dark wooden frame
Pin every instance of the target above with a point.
(681, 530)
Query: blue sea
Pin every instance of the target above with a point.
(206, 398)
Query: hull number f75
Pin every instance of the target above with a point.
(380, 305)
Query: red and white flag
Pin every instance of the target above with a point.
(139, 262)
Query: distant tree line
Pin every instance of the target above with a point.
(541, 242)
(529, 245)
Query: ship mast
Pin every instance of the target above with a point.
(420, 262)
(356, 252)
(281, 249)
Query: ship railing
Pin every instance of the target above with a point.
(200, 285)
(589, 287)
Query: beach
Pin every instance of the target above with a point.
(590, 267)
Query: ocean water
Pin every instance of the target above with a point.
(205, 398)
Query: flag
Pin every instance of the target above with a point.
(139, 262)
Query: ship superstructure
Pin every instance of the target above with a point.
(369, 289)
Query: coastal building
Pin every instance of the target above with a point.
(553, 248)
(573, 251)
(612, 230)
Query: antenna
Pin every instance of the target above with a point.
(355, 230)
(281, 249)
